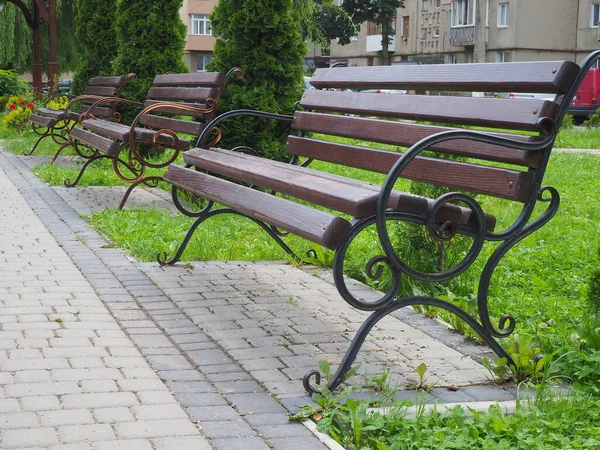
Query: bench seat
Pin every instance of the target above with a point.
(343, 194)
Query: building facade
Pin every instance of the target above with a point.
(458, 31)
(200, 41)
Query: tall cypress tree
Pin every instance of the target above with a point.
(263, 38)
(150, 39)
(97, 43)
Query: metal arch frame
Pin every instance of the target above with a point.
(46, 10)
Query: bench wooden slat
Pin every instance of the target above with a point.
(406, 134)
(540, 76)
(317, 226)
(98, 111)
(194, 94)
(168, 123)
(357, 198)
(104, 91)
(334, 193)
(190, 79)
(516, 114)
(96, 141)
(121, 132)
(177, 111)
(106, 81)
(499, 182)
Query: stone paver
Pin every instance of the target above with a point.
(98, 351)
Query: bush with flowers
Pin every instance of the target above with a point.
(18, 110)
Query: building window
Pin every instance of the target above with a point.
(201, 62)
(462, 13)
(405, 25)
(503, 15)
(452, 59)
(501, 57)
(425, 5)
(200, 25)
(595, 18)
(436, 31)
(423, 33)
(437, 3)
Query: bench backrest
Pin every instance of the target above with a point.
(197, 93)
(102, 87)
(403, 120)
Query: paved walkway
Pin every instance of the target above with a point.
(100, 352)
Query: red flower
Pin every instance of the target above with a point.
(13, 106)
(30, 105)
(23, 102)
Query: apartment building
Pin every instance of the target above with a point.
(200, 41)
(458, 31)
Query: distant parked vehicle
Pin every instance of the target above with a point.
(386, 91)
(64, 86)
(526, 95)
(587, 99)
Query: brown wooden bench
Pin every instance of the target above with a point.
(57, 123)
(174, 113)
(496, 165)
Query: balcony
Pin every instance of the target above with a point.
(462, 36)
(374, 44)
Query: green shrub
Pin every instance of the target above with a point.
(11, 84)
(150, 40)
(593, 121)
(95, 32)
(263, 39)
(568, 122)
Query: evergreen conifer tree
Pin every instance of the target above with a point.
(97, 43)
(150, 40)
(263, 39)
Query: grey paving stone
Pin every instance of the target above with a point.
(78, 433)
(18, 420)
(257, 403)
(113, 415)
(125, 444)
(181, 443)
(226, 429)
(295, 443)
(65, 417)
(246, 443)
(41, 403)
(25, 437)
(210, 413)
(155, 428)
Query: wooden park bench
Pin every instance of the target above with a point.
(173, 115)
(58, 123)
(504, 161)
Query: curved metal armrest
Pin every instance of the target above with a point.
(426, 143)
(202, 139)
(102, 100)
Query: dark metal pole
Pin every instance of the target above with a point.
(53, 69)
(37, 50)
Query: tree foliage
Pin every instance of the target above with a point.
(16, 41)
(151, 39)
(263, 38)
(96, 39)
(380, 12)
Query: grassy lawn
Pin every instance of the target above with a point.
(542, 282)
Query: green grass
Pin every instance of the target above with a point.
(560, 422)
